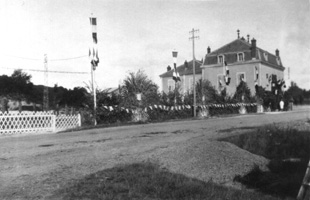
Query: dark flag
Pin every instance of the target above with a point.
(93, 51)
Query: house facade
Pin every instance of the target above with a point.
(242, 60)
(186, 75)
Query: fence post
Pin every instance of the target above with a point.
(79, 120)
(53, 123)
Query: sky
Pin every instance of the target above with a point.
(137, 34)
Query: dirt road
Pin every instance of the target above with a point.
(35, 166)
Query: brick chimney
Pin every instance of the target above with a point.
(208, 50)
(277, 53)
(168, 68)
(253, 48)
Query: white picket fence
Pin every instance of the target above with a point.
(36, 122)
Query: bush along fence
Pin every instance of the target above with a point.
(36, 122)
(116, 113)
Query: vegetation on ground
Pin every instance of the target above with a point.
(288, 150)
(149, 181)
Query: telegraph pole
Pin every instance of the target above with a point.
(45, 91)
(93, 54)
(193, 37)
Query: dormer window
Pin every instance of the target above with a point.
(240, 57)
(220, 59)
(278, 61)
(266, 56)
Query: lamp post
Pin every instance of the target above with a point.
(174, 55)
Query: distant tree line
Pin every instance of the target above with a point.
(18, 87)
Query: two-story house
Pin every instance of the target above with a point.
(186, 75)
(242, 60)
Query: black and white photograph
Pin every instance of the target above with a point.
(155, 99)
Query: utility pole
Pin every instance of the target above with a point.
(94, 94)
(193, 37)
(93, 54)
(45, 91)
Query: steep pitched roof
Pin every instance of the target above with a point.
(237, 45)
(183, 70)
(231, 49)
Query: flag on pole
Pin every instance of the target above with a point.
(226, 68)
(227, 78)
(93, 50)
(175, 75)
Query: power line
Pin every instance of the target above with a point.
(73, 58)
(25, 58)
(50, 71)
(38, 59)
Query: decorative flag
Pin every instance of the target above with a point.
(227, 80)
(226, 76)
(220, 83)
(175, 74)
(93, 51)
(226, 68)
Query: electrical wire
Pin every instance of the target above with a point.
(73, 58)
(25, 58)
(57, 59)
(53, 71)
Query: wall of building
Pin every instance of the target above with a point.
(213, 74)
(185, 83)
(266, 71)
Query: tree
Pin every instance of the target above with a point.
(243, 93)
(296, 93)
(21, 87)
(136, 83)
(5, 89)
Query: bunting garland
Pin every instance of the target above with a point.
(176, 108)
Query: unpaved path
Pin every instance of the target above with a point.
(35, 166)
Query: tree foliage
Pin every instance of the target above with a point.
(138, 83)
(243, 93)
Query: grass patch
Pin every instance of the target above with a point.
(81, 142)
(155, 133)
(46, 145)
(229, 130)
(103, 140)
(149, 181)
(181, 131)
(288, 150)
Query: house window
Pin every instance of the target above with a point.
(220, 59)
(256, 73)
(278, 61)
(240, 77)
(190, 84)
(240, 57)
(171, 85)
